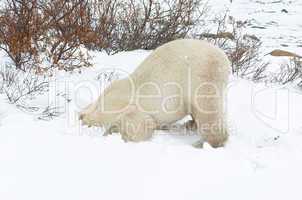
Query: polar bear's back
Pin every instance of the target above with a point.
(175, 60)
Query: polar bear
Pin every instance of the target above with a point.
(180, 78)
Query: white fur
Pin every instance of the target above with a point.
(182, 77)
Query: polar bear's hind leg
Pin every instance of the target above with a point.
(210, 125)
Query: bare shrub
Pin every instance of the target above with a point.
(49, 113)
(20, 31)
(43, 35)
(46, 114)
(106, 77)
(246, 59)
(145, 24)
(289, 73)
(68, 27)
(244, 52)
(242, 49)
(104, 15)
(19, 85)
(47, 34)
(7, 78)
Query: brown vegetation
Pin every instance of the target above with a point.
(242, 49)
(144, 24)
(35, 32)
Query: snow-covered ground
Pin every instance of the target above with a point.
(276, 22)
(60, 159)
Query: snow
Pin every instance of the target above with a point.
(280, 29)
(60, 159)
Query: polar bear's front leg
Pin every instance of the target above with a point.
(136, 126)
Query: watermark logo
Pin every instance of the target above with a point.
(271, 106)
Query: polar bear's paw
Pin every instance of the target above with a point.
(216, 140)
